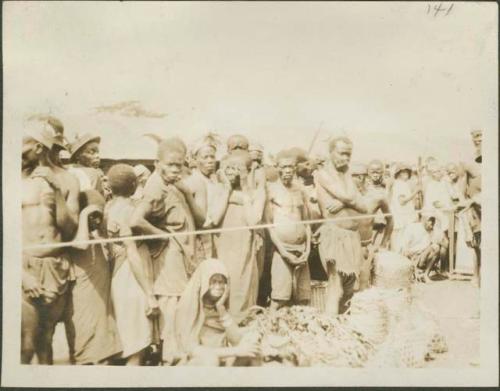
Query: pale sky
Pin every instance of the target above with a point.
(400, 81)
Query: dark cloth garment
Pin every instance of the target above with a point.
(318, 273)
(95, 333)
(52, 273)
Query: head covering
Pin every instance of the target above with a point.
(80, 142)
(122, 180)
(255, 146)
(141, 169)
(237, 141)
(190, 316)
(287, 154)
(40, 132)
(359, 169)
(401, 167)
(210, 140)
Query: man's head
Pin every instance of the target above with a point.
(122, 180)
(376, 172)
(236, 165)
(256, 151)
(85, 151)
(340, 153)
(205, 159)
(237, 142)
(171, 156)
(428, 222)
(286, 162)
(359, 173)
(452, 172)
(37, 144)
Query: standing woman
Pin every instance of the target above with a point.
(238, 249)
(91, 313)
(402, 204)
(131, 285)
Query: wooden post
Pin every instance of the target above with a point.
(451, 235)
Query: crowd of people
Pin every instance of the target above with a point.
(230, 234)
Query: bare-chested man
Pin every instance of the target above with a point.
(375, 185)
(46, 219)
(210, 196)
(374, 202)
(286, 205)
(340, 242)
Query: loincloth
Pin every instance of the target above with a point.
(52, 273)
(341, 247)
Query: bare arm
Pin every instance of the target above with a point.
(139, 222)
(321, 179)
(384, 207)
(220, 206)
(198, 213)
(82, 233)
(254, 205)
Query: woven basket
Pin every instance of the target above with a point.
(392, 271)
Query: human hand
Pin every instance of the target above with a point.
(31, 286)
(334, 208)
(153, 307)
(220, 306)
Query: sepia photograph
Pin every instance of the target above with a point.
(250, 194)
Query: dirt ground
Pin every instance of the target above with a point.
(456, 304)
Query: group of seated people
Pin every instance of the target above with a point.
(135, 262)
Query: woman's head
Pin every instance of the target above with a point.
(93, 198)
(216, 287)
(236, 165)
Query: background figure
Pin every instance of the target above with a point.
(402, 204)
(142, 173)
(421, 243)
(239, 249)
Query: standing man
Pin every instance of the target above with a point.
(376, 186)
(286, 205)
(86, 160)
(473, 202)
(46, 220)
(375, 202)
(340, 242)
(169, 207)
(210, 196)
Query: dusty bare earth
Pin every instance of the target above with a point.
(456, 304)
